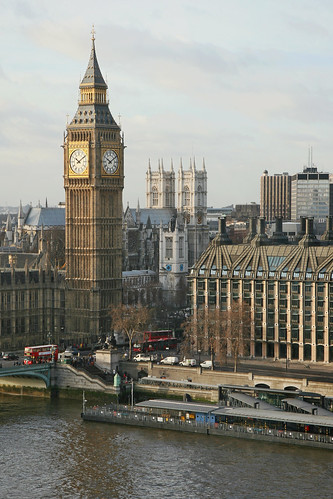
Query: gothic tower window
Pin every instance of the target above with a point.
(187, 196)
(167, 197)
(181, 247)
(155, 196)
(168, 247)
(199, 196)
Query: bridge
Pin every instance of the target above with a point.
(41, 371)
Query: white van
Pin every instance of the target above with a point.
(170, 360)
(141, 357)
(206, 364)
(188, 362)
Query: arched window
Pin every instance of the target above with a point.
(167, 197)
(187, 196)
(199, 194)
(155, 196)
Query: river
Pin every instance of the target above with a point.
(47, 451)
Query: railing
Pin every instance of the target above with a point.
(124, 414)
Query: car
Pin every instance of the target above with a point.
(72, 350)
(10, 356)
(206, 364)
(170, 360)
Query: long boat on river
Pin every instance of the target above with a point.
(264, 424)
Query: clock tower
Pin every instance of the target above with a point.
(93, 181)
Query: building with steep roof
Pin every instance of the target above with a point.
(287, 286)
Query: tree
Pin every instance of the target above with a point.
(132, 320)
(203, 331)
(237, 329)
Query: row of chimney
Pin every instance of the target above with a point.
(257, 232)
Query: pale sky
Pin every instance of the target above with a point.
(245, 84)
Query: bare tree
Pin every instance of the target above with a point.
(237, 329)
(204, 332)
(132, 320)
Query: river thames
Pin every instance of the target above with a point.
(47, 451)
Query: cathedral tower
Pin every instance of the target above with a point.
(192, 203)
(93, 181)
(160, 187)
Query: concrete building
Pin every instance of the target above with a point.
(275, 196)
(310, 194)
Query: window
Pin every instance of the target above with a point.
(187, 196)
(270, 332)
(168, 247)
(155, 196)
(282, 333)
(181, 247)
(168, 197)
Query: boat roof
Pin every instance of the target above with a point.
(177, 406)
(252, 401)
(305, 406)
(279, 416)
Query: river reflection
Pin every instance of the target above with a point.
(48, 451)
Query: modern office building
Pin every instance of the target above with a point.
(275, 196)
(310, 194)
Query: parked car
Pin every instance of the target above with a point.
(170, 360)
(10, 356)
(141, 357)
(206, 364)
(188, 362)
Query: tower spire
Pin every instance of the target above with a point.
(93, 75)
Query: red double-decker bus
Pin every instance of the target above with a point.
(40, 354)
(164, 334)
(156, 340)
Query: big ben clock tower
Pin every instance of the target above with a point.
(93, 181)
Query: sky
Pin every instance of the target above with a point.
(245, 85)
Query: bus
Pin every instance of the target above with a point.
(40, 354)
(154, 341)
(157, 335)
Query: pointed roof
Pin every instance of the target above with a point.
(9, 222)
(93, 76)
(20, 212)
(93, 110)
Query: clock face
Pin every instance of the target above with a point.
(110, 162)
(78, 161)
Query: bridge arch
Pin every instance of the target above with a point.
(40, 371)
